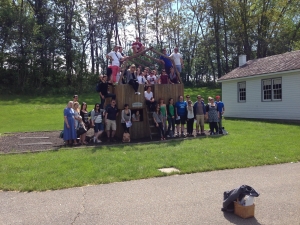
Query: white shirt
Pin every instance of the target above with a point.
(141, 79)
(147, 95)
(151, 79)
(116, 56)
(176, 57)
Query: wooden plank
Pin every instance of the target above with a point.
(125, 95)
(37, 143)
(167, 91)
(33, 137)
(138, 54)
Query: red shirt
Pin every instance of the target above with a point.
(137, 44)
(164, 79)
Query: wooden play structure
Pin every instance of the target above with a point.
(126, 95)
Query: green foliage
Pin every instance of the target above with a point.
(58, 45)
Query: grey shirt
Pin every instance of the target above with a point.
(158, 118)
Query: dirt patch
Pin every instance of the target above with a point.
(30, 142)
(49, 140)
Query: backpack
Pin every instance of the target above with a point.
(98, 87)
(126, 137)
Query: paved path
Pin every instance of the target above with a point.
(185, 199)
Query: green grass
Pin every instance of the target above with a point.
(27, 113)
(249, 143)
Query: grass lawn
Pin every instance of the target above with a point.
(249, 143)
(26, 113)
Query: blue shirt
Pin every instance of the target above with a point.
(181, 108)
(220, 106)
(168, 62)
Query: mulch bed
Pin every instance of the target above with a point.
(49, 140)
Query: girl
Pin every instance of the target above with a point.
(171, 116)
(125, 118)
(190, 118)
(157, 117)
(97, 118)
(163, 110)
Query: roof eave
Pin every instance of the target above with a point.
(259, 75)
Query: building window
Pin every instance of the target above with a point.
(242, 92)
(271, 89)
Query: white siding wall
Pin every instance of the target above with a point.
(254, 107)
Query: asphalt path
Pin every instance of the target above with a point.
(179, 199)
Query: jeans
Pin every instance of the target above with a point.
(220, 125)
(171, 122)
(126, 129)
(190, 123)
(134, 84)
(213, 126)
(161, 130)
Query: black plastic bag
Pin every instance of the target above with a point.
(230, 196)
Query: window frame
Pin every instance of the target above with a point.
(239, 92)
(272, 90)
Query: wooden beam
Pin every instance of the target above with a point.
(157, 60)
(137, 54)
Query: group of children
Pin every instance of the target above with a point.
(185, 112)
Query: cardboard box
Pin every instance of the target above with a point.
(244, 211)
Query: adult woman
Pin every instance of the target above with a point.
(85, 115)
(69, 124)
(76, 113)
(163, 110)
(136, 116)
(190, 118)
(173, 76)
(150, 101)
(79, 125)
(141, 78)
(130, 77)
(97, 118)
(213, 115)
(171, 116)
(157, 117)
(126, 118)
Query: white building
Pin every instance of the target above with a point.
(266, 88)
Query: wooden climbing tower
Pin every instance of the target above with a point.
(125, 95)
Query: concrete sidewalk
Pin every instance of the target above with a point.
(185, 199)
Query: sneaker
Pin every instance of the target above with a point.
(182, 135)
(168, 136)
(98, 141)
(137, 93)
(94, 139)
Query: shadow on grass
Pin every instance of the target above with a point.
(151, 144)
